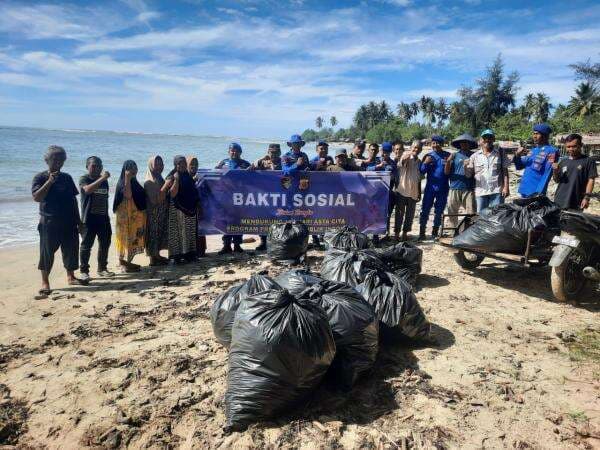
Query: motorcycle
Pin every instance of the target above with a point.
(575, 259)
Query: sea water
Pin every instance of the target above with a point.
(22, 151)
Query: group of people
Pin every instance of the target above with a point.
(162, 213)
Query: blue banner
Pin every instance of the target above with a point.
(248, 202)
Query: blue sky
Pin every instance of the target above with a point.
(268, 68)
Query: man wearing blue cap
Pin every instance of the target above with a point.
(537, 164)
(322, 160)
(295, 160)
(436, 188)
(234, 162)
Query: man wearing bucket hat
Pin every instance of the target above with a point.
(295, 160)
(489, 167)
(538, 163)
(462, 188)
(436, 188)
(234, 162)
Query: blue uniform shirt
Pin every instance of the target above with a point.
(538, 170)
(315, 161)
(458, 180)
(233, 164)
(289, 162)
(436, 178)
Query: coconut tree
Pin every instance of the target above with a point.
(442, 111)
(319, 122)
(404, 112)
(333, 121)
(541, 109)
(585, 102)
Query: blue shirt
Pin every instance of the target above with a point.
(233, 164)
(538, 170)
(289, 162)
(315, 161)
(436, 178)
(458, 180)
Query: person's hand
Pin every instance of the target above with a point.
(300, 161)
(466, 163)
(428, 160)
(585, 203)
(105, 175)
(176, 175)
(555, 166)
(505, 191)
(52, 177)
(521, 151)
(452, 156)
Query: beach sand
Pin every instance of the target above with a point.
(133, 362)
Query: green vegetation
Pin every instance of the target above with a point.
(490, 103)
(585, 347)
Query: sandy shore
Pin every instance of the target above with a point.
(132, 362)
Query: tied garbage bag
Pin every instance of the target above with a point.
(355, 331)
(281, 348)
(350, 267)
(404, 259)
(287, 241)
(504, 228)
(347, 238)
(395, 305)
(296, 280)
(222, 312)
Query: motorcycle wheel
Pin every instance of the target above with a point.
(567, 280)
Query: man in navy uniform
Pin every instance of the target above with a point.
(295, 160)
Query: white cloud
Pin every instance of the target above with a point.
(148, 16)
(588, 34)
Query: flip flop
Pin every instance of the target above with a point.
(78, 282)
(42, 294)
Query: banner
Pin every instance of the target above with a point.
(248, 202)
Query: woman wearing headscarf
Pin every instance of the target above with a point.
(192, 164)
(157, 232)
(130, 208)
(183, 205)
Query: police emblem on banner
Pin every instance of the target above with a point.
(304, 183)
(286, 182)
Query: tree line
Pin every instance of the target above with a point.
(490, 103)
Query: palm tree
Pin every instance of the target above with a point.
(333, 121)
(442, 111)
(541, 107)
(319, 122)
(529, 106)
(385, 113)
(427, 106)
(361, 119)
(414, 109)
(404, 112)
(585, 102)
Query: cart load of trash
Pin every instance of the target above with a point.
(347, 238)
(287, 241)
(505, 228)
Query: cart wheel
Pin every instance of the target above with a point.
(468, 260)
(567, 280)
(464, 259)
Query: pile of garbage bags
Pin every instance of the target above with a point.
(289, 334)
(287, 241)
(505, 228)
(347, 238)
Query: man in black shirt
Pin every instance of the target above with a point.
(56, 193)
(575, 176)
(94, 216)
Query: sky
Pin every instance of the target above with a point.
(268, 68)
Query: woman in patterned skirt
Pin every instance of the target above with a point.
(157, 212)
(183, 206)
(192, 164)
(129, 206)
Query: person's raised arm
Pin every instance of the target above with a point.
(40, 193)
(556, 172)
(448, 165)
(424, 166)
(175, 187)
(89, 188)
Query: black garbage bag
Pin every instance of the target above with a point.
(504, 228)
(296, 280)
(350, 266)
(281, 348)
(404, 260)
(222, 312)
(582, 225)
(347, 238)
(355, 331)
(396, 306)
(287, 241)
